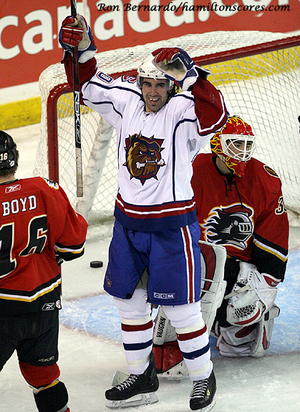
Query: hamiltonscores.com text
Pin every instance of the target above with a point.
(185, 6)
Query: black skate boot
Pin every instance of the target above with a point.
(203, 393)
(135, 390)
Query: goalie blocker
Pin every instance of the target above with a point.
(168, 358)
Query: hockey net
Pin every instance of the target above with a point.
(257, 72)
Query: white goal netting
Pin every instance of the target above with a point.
(258, 73)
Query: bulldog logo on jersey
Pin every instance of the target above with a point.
(143, 156)
(231, 225)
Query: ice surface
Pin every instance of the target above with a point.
(91, 349)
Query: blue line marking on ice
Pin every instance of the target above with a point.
(98, 315)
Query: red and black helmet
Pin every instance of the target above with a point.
(234, 144)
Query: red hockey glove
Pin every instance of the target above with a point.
(77, 33)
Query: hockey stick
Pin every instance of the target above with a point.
(76, 92)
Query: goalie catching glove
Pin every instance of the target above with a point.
(77, 33)
(177, 65)
(250, 340)
(252, 296)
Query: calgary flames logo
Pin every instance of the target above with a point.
(230, 225)
(143, 157)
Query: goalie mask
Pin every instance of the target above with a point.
(234, 144)
(148, 70)
(8, 151)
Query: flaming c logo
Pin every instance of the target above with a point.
(143, 157)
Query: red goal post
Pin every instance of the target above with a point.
(258, 73)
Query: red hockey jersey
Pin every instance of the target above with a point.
(37, 222)
(246, 215)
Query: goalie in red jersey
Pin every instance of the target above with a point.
(244, 212)
(38, 230)
(239, 206)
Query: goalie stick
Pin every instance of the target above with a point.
(76, 92)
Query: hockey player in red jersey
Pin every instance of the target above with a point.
(38, 229)
(240, 206)
(156, 230)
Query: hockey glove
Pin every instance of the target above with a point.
(252, 296)
(253, 340)
(77, 33)
(177, 65)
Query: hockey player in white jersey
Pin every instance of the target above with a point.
(156, 231)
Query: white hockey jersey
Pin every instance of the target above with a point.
(155, 150)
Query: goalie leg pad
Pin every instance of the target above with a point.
(213, 285)
(158, 356)
(169, 361)
(168, 357)
(163, 330)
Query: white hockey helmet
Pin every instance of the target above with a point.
(148, 70)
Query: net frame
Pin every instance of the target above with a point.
(261, 56)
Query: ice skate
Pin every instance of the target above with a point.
(203, 393)
(135, 390)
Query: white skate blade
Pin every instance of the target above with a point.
(137, 400)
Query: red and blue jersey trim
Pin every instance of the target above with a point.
(155, 217)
